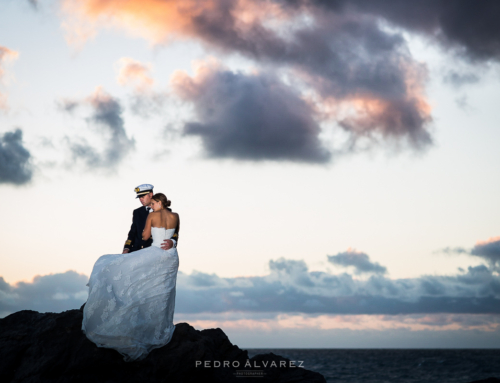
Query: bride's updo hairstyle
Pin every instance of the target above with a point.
(160, 197)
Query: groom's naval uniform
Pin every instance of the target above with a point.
(134, 240)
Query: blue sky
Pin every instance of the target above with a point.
(334, 168)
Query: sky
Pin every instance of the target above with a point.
(334, 164)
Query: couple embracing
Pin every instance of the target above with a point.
(131, 300)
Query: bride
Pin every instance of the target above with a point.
(131, 300)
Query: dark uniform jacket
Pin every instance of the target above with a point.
(134, 240)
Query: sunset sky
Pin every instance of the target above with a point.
(335, 164)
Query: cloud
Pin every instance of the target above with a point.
(106, 113)
(463, 103)
(360, 261)
(279, 321)
(251, 330)
(134, 73)
(148, 104)
(15, 160)
(290, 288)
(361, 75)
(144, 101)
(66, 291)
(249, 117)
(460, 79)
(454, 250)
(469, 28)
(47, 293)
(6, 55)
(364, 75)
(68, 105)
(489, 250)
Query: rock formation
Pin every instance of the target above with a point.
(50, 347)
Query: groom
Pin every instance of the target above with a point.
(134, 240)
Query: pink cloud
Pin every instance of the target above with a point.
(134, 73)
(364, 78)
(6, 55)
(417, 322)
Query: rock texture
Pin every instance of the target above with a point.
(51, 347)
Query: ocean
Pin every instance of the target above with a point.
(395, 365)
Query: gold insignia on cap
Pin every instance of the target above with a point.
(136, 189)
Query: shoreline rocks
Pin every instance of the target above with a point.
(50, 347)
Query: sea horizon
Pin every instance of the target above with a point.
(395, 365)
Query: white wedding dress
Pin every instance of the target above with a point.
(132, 299)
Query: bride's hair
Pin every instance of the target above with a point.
(160, 197)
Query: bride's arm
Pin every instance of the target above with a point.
(146, 234)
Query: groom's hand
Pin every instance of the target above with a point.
(125, 251)
(167, 244)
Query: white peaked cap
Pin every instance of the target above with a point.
(143, 189)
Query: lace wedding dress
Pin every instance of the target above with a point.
(132, 299)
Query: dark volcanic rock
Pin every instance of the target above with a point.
(51, 347)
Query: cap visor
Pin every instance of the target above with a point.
(143, 193)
